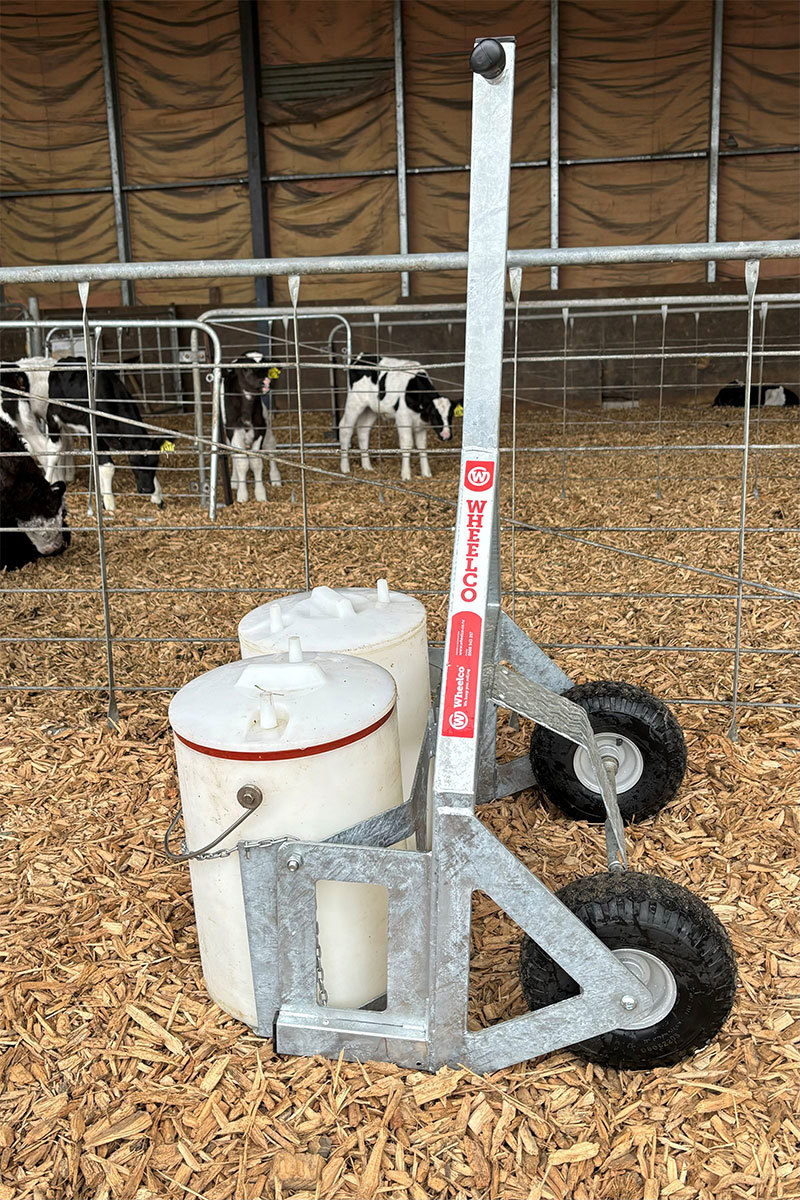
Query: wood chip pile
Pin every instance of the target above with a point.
(121, 1080)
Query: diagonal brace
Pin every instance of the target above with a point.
(562, 716)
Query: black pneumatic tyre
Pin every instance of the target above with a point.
(639, 730)
(638, 913)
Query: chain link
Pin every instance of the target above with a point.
(251, 845)
(322, 992)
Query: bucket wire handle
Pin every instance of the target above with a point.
(249, 797)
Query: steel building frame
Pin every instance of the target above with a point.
(258, 176)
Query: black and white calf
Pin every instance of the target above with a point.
(770, 395)
(247, 422)
(68, 413)
(399, 388)
(33, 514)
(24, 401)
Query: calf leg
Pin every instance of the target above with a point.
(421, 442)
(271, 447)
(257, 465)
(405, 437)
(106, 473)
(363, 426)
(353, 408)
(239, 469)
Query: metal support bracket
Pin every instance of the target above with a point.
(531, 700)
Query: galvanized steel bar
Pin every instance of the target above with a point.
(400, 121)
(237, 268)
(713, 134)
(294, 292)
(115, 150)
(473, 611)
(763, 313)
(112, 712)
(751, 282)
(664, 311)
(33, 334)
(554, 138)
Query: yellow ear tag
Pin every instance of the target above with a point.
(274, 372)
(458, 411)
(166, 447)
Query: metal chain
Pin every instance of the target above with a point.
(322, 993)
(254, 845)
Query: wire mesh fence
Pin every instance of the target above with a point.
(646, 533)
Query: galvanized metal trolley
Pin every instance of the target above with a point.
(634, 969)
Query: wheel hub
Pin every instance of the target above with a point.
(626, 754)
(659, 981)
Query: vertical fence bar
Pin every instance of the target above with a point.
(751, 281)
(554, 138)
(197, 391)
(142, 371)
(713, 134)
(565, 319)
(115, 150)
(34, 333)
(294, 292)
(177, 382)
(160, 352)
(763, 313)
(515, 279)
(661, 399)
(400, 117)
(112, 712)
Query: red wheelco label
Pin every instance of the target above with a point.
(466, 625)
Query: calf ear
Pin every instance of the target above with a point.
(59, 488)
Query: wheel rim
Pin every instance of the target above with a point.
(657, 978)
(626, 754)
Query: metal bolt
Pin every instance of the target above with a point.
(294, 864)
(249, 796)
(628, 1003)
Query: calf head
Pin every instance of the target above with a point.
(14, 383)
(48, 529)
(444, 413)
(435, 410)
(255, 374)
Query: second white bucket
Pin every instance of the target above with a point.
(385, 627)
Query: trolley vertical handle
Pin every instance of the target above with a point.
(474, 581)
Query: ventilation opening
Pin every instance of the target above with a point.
(352, 919)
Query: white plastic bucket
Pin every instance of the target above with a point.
(382, 626)
(317, 734)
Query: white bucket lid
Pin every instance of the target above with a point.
(346, 620)
(282, 705)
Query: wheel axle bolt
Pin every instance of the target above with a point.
(294, 864)
(628, 1003)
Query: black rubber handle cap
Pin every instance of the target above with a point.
(488, 59)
